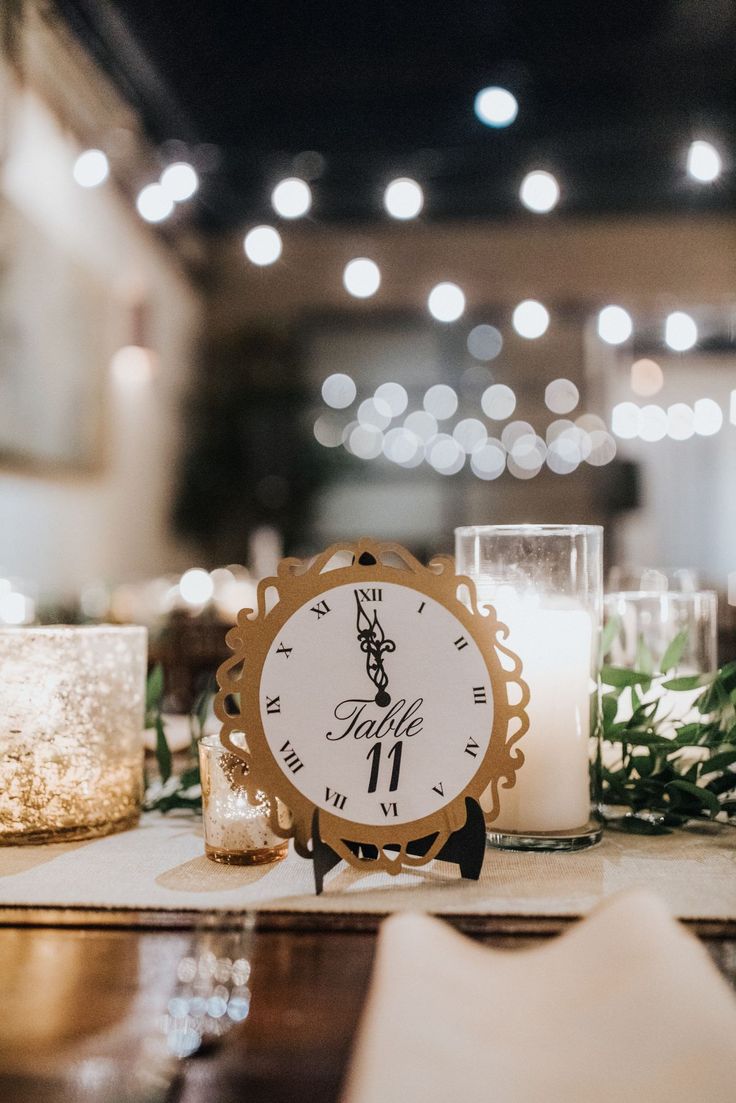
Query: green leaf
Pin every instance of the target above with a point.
(621, 676)
(719, 762)
(610, 708)
(163, 752)
(675, 651)
(703, 796)
(608, 635)
(644, 659)
(155, 688)
(688, 681)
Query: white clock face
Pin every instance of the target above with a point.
(376, 703)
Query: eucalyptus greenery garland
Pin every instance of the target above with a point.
(655, 773)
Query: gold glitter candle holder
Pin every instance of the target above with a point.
(235, 831)
(72, 705)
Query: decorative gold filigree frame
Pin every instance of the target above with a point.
(237, 703)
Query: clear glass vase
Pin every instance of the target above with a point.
(545, 582)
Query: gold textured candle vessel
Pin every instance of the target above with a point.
(71, 719)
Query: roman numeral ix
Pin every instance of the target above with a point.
(273, 704)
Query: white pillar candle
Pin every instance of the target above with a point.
(554, 642)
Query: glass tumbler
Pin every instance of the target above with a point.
(235, 831)
(545, 582)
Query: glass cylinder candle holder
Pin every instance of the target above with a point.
(545, 583)
(72, 702)
(646, 623)
(235, 831)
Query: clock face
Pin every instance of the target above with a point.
(376, 703)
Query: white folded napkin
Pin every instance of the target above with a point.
(626, 1006)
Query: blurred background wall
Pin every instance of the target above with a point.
(90, 441)
(167, 392)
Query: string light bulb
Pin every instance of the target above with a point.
(539, 191)
(91, 168)
(496, 107)
(403, 198)
(703, 162)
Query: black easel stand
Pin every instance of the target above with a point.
(465, 847)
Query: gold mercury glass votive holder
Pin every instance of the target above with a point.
(72, 702)
(235, 831)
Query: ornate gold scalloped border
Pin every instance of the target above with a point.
(298, 581)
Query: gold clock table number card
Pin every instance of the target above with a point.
(376, 709)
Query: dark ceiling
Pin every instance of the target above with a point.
(610, 94)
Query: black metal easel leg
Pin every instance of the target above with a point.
(324, 857)
(467, 846)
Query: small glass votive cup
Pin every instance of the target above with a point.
(72, 702)
(646, 623)
(545, 583)
(236, 832)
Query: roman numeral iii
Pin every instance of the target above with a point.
(479, 695)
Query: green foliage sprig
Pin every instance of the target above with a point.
(174, 791)
(658, 772)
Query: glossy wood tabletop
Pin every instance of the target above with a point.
(83, 1006)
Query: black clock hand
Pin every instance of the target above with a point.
(373, 643)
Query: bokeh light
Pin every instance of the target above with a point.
(614, 325)
(440, 401)
(403, 198)
(445, 455)
(539, 191)
(196, 586)
(498, 402)
(374, 412)
(153, 203)
(366, 442)
(291, 198)
(652, 423)
(680, 421)
(489, 460)
(362, 277)
(262, 245)
(680, 331)
(561, 396)
(484, 342)
(647, 377)
(703, 162)
(395, 397)
(708, 417)
(625, 420)
(179, 181)
(422, 424)
(339, 391)
(470, 434)
(496, 106)
(446, 302)
(91, 168)
(530, 319)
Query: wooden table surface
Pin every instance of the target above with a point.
(81, 1006)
